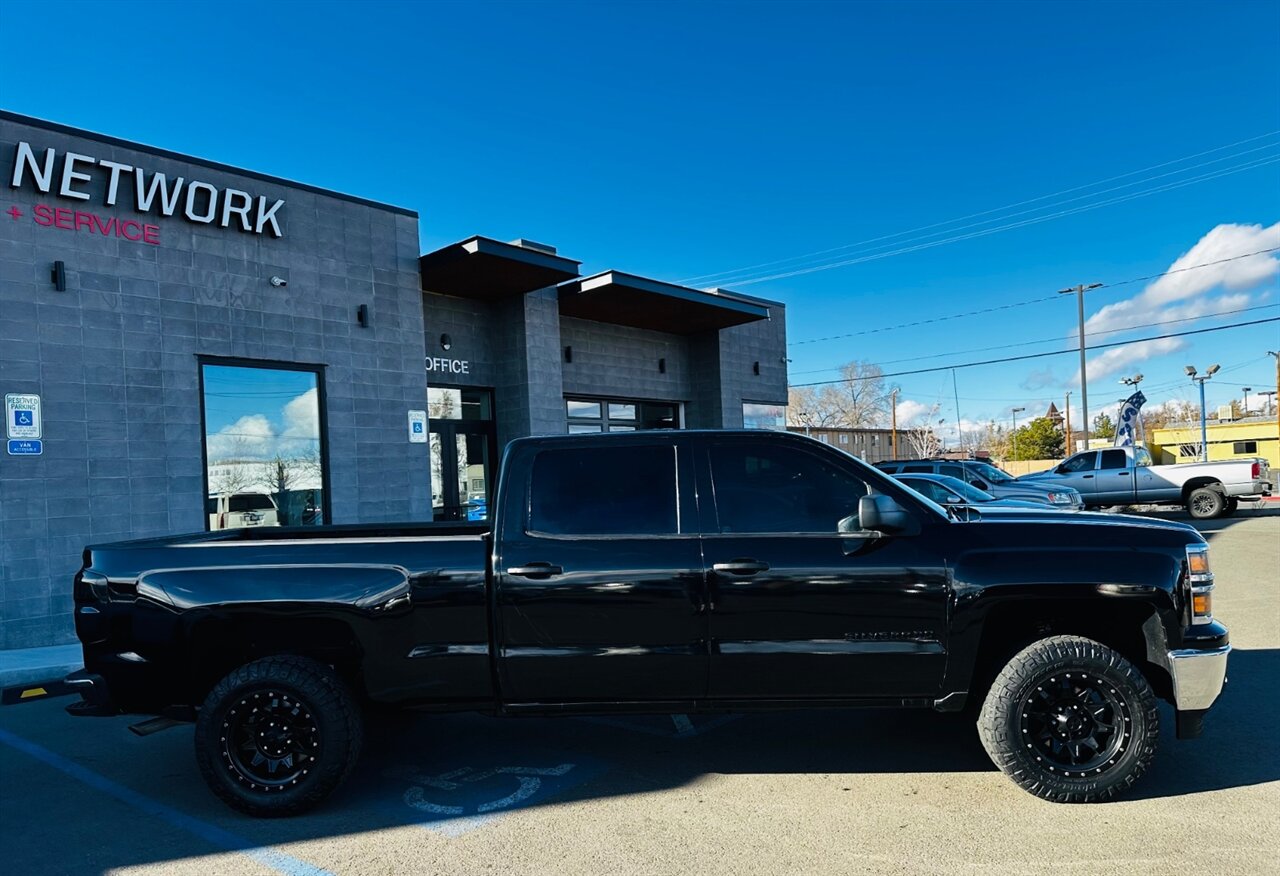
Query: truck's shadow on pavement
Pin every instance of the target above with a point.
(627, 755)
(453, 774)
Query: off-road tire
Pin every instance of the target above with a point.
(1016, 740)
(285, 689)
(1206, 503)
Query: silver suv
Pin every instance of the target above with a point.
(986, 476)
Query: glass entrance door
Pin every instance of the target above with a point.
(464, 453)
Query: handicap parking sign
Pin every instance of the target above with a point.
(22, 416)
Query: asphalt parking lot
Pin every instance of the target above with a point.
(833, 791)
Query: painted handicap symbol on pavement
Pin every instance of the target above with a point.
(463, 799)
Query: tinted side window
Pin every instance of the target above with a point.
(1112, 459)
(1083, 462)
(765, 488)
(918, 469)
(953, 471)
(624, 490)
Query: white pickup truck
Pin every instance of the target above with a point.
(1127, 476)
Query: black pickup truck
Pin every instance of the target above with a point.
(662, 572)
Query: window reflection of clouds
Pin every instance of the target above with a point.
(262, 437)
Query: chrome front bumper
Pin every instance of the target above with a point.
(1198, 677)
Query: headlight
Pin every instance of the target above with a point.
(1060, 498)
(1201, 581)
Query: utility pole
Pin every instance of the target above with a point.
(1067, 413)
(893, 412)
(1245, 412)
(1084, 380)
(1014, 414)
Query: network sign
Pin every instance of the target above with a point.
(22, 416)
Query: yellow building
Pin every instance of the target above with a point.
(1256, 436)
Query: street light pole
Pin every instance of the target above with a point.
(1014, 414)
(1084, 387)
(893, 408)
(1204, 428)
(1067, 413)
(1247, 390)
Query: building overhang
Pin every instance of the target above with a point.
(484, 269)
(625, 299)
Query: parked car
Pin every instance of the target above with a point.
(656, 572)
(990, 479)
(1127, 475)
(953, 491)
(236, 510)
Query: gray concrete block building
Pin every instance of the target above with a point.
(188, 346)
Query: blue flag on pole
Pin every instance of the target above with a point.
(1129, 429)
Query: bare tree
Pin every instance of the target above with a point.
(859, 400)
(806, 406)
(921, 437)
(924, 442)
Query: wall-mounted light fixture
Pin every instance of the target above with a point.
(446, 342)
(362, 315)
(279, 281)
(568, 354)
(58, 276)
(662, 366)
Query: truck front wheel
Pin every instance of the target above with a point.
(277, 736)
(1070, 720)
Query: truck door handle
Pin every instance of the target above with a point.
(1086, 477)
(536, 570)
(740, 567)
(1123, 474)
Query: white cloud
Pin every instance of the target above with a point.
(1182, 294)
(911, 411)
(1224, 241)
(1118, 359)
(250, 437)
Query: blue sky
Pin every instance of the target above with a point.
(679, 140)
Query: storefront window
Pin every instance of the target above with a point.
(758, 416)
(586, 415)
(263, 448)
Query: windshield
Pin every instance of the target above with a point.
(968, 492)
(990, 472)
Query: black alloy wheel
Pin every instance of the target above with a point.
(1076, 723)
(269, 739)
(277, 736)
(1070, 720)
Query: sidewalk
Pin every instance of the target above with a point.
(25, 665)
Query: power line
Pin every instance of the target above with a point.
(702, 277)
(1015, 304)
(1026, 356)
(999, 228)
(1127, 328)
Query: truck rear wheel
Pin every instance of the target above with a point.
(1070, 720)
(277, 736)
(1206, 503)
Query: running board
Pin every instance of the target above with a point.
(155, 725)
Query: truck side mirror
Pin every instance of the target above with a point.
(884, 514)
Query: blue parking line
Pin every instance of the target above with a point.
(264, 855)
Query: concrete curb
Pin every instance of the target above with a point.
(27, 665)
